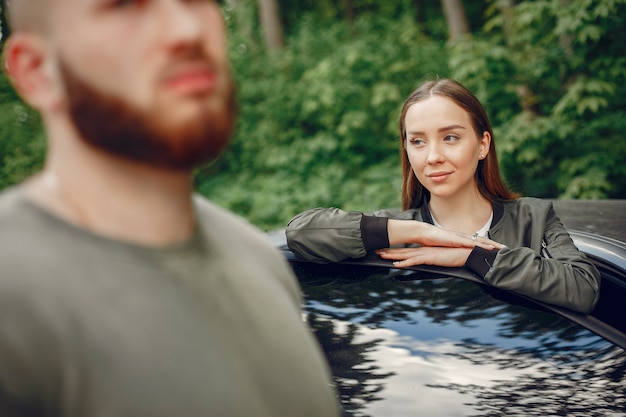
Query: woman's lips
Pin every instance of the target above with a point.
(439, 176)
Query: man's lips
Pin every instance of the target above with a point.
(192, 81)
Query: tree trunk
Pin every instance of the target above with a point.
(245, 14)
(566, 41)
(527, 99)
(270, 24)
(349, 6)
(506, 6)
(420, 14)
(455, 18)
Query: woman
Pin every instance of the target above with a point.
(457, 210)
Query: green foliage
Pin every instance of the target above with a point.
(22, 145)
(318, 120)
(554, 79)
(318, 123)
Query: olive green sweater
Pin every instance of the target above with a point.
(93, 327)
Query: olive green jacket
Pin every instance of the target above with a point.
(540, 260)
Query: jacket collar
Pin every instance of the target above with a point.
(498, 212)
(496, 206)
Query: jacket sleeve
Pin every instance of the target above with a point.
(565, 278)
(331, 234)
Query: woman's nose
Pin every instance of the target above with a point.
(434, 155)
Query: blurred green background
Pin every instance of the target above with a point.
(321, 82)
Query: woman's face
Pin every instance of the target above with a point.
(443, 148)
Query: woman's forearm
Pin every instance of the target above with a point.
(404, 231)
(425, 234)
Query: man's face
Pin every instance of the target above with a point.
(147, 80)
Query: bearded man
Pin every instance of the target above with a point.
(122, 292)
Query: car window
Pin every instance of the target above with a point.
(612, 304)
(406, 343)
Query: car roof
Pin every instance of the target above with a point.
(407, 343)
(600, 217)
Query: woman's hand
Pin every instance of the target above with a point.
(425, 234)
(426, 255)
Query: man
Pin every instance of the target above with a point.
(122, 293)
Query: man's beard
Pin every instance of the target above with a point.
(112, 125)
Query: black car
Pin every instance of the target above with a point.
(430, 341)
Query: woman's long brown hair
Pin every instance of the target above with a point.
(488, 177)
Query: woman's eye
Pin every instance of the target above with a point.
(416, 141)
(451, 138)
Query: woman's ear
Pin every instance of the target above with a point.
(485, 144)
(29, 67)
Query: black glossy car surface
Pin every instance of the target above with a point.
(438, 342)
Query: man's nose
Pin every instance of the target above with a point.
(180, 25)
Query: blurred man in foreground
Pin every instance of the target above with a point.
(122, 293)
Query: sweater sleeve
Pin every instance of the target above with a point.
(566, 278)
(331, 234)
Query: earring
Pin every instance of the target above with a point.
(482, 156)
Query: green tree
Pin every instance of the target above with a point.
(318, 123)
(22, 145)
(272, 27)
(318, 117)
(553, 75)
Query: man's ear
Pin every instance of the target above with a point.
(29, 67)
